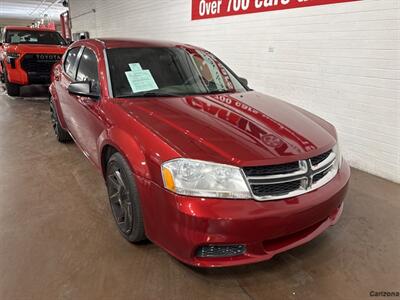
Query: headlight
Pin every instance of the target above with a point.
(12, 54)
(204, 179)
(338, 160)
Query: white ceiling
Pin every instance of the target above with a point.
(31, 9)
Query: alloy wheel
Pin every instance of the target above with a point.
(121, 205)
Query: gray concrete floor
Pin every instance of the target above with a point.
(58, 239)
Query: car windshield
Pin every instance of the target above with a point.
(176, 71)
(34, 37)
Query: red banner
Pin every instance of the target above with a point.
(205, 9)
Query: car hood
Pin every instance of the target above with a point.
(35, 48)
(241, 129)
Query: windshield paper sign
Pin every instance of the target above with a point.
(205, 9)
(140, 80)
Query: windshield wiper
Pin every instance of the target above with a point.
(161, 94)
(150, 94)
(218, 92)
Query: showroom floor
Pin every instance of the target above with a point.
(58, 239)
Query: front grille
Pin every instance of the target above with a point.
(320, 158)
(291, 179)
(319, 176)
(272, 170)
(276, 189)
(39, 63)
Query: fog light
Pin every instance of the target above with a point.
(220, 250)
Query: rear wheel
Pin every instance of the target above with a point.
(61, 134)
(124, 199)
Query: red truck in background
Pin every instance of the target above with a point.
(27, 56)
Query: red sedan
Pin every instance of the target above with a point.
(194, 160)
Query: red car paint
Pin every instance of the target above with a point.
(240, 129)
(16, 74)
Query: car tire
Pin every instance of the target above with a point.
(62, 135)
(2, 73)
(12, 89)
(124, 199)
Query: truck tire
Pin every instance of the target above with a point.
(2, 73)
(12, 89)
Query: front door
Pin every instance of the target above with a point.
(87, 119)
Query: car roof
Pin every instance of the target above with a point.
(26, 28)
(110, 43)
(139, 43)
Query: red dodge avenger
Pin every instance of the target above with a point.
(193, 159)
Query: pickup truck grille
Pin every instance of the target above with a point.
(291, 179)
(39, 63)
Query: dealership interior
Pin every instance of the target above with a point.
(199, 149)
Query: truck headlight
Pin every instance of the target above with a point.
(11, 57)
(12, 54)
(204, 179)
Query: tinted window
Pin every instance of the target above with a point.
(139, 72)
(87, 69)
(34, 37)
(70, 60)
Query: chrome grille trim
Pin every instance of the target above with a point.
(266, 182)
(302, 170)
(330, 159)
(328, 177)
(306, 174)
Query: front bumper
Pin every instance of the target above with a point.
(17, 74)
(182, 224)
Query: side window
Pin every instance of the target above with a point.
(87, 69)
(69, 62)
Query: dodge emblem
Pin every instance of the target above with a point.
(271, 140)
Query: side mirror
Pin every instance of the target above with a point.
(243, 81)
(83, 88)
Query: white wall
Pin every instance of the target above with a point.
(340, 61)
(21, 22)
(14, 22)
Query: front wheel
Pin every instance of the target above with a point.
(12, 89)
(124, 199)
